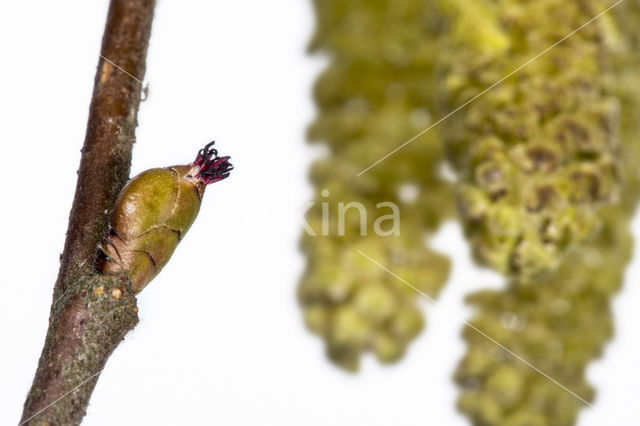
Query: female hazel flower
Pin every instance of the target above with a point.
(154, 211)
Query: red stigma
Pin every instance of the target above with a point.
(212, 167)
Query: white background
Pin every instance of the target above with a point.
(220, 339)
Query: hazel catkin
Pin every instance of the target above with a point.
(562, 323)
(538, 155)
(376, 92)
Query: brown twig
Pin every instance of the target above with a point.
(90, 313)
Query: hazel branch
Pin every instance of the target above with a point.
(91, 313)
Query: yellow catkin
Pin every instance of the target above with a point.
(376, 93)
(537, 155)
(561, 323)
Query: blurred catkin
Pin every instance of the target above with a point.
(375, 93)
(537, 156)
(562, 322)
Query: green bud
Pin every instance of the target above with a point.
(152, 214)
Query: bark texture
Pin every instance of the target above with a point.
(90, 313)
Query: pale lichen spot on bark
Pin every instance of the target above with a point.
(105, 72)
(116, 293)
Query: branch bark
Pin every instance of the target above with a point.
(91, 313)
